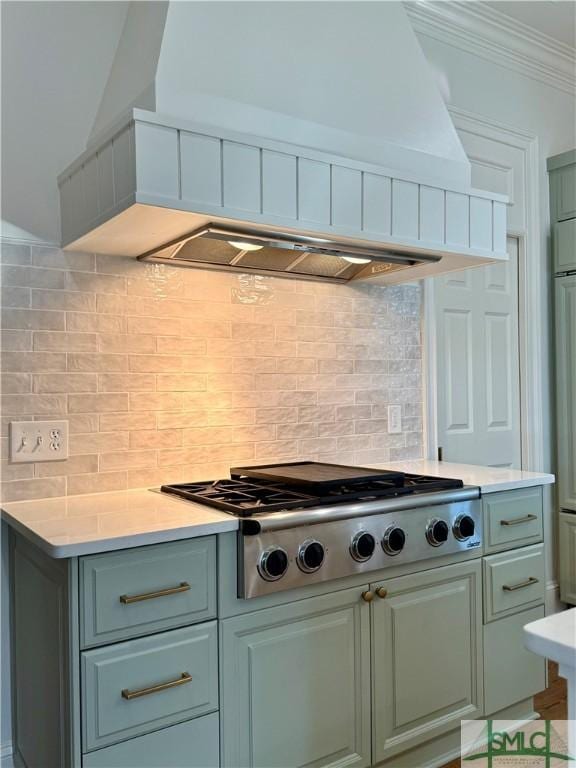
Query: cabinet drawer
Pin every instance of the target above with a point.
(194, 744)
(513, 518)
(141, 685)
(513, 580)
(511, 672)
(138, 591)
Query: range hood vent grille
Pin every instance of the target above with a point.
(281, 254)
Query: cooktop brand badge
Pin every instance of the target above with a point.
(504, 744)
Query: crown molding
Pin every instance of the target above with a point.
(490, 34)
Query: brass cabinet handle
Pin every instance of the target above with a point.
(182, 680)
(127, 599)
(519, 520)
(513, 587)
(381, 592)
(368, 596)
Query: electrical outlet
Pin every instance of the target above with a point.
(394, 419)
(38, 441)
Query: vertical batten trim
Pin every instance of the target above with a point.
(362, 201)
(297, 187)
(179, 162)
(261, 174)
(331, 196)
(222, 173)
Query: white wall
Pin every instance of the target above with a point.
(56, 57)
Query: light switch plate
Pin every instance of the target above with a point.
(38, 441)
(394, 419)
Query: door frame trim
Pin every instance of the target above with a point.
(532, 283)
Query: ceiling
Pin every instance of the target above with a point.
(555, 18)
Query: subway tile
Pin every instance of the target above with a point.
(65, 341)
(32, 319)
(55, 258)
(16, 383)
(155, 401)
(97, 363)
(64, 382)
(75, 465)
(97, 442)
(180, 345)
(123, 342)
(298, 365)
(16, 341)
(317, 413)
(36, 405)
(95, 283)
(127, 460)
(344, 412)
(152, 438)
(64, 300)
(14, 253)
(158, 326)
(90, 322)
(97, 403)
(155, 363)
(119, 422)
(15, 297)
(82, 422)
(276, 415)
(126, 382)
(98, 482)
(33, 362)
(296, 431)
(32, 277)
(319, 444)
(21, 490)
(180, 382)
(276, 449)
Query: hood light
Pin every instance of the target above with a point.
(245, 246)
(356, 260)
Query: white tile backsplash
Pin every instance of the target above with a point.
(170, 374)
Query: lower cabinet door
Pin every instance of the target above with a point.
(194, 744)
(567, 539)
(296, 684)
(511, 672)
(426, 656)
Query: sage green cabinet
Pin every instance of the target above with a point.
(511, 672)
(564, 245)
(513, 581)
(567, 539)
(141, 685)
(566, 389)
(143, 590)
(194, 744)
(426, 656)
(562, 170)
(295, 682)
(513, 518)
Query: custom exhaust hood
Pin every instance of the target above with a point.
(325, 149)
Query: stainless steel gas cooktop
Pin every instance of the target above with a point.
(307, 522)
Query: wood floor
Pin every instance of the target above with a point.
(551, 704)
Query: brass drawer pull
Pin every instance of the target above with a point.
(368, 596)
(381, 592)
(184, 678)
(521, 585)
(519, 520)
(127, 599)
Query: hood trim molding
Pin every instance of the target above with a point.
(153, 179)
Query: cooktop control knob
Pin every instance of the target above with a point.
(393, 540)
(273, 564)
(463, 527)
(310, 556)
(362, 546)
(437, 532)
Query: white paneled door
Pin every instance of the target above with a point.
(478, 374)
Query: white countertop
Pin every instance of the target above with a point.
(554, 637)
(100, 522)
(489, 479)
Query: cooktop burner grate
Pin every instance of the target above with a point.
(244, 498)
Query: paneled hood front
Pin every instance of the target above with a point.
(301, 120)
